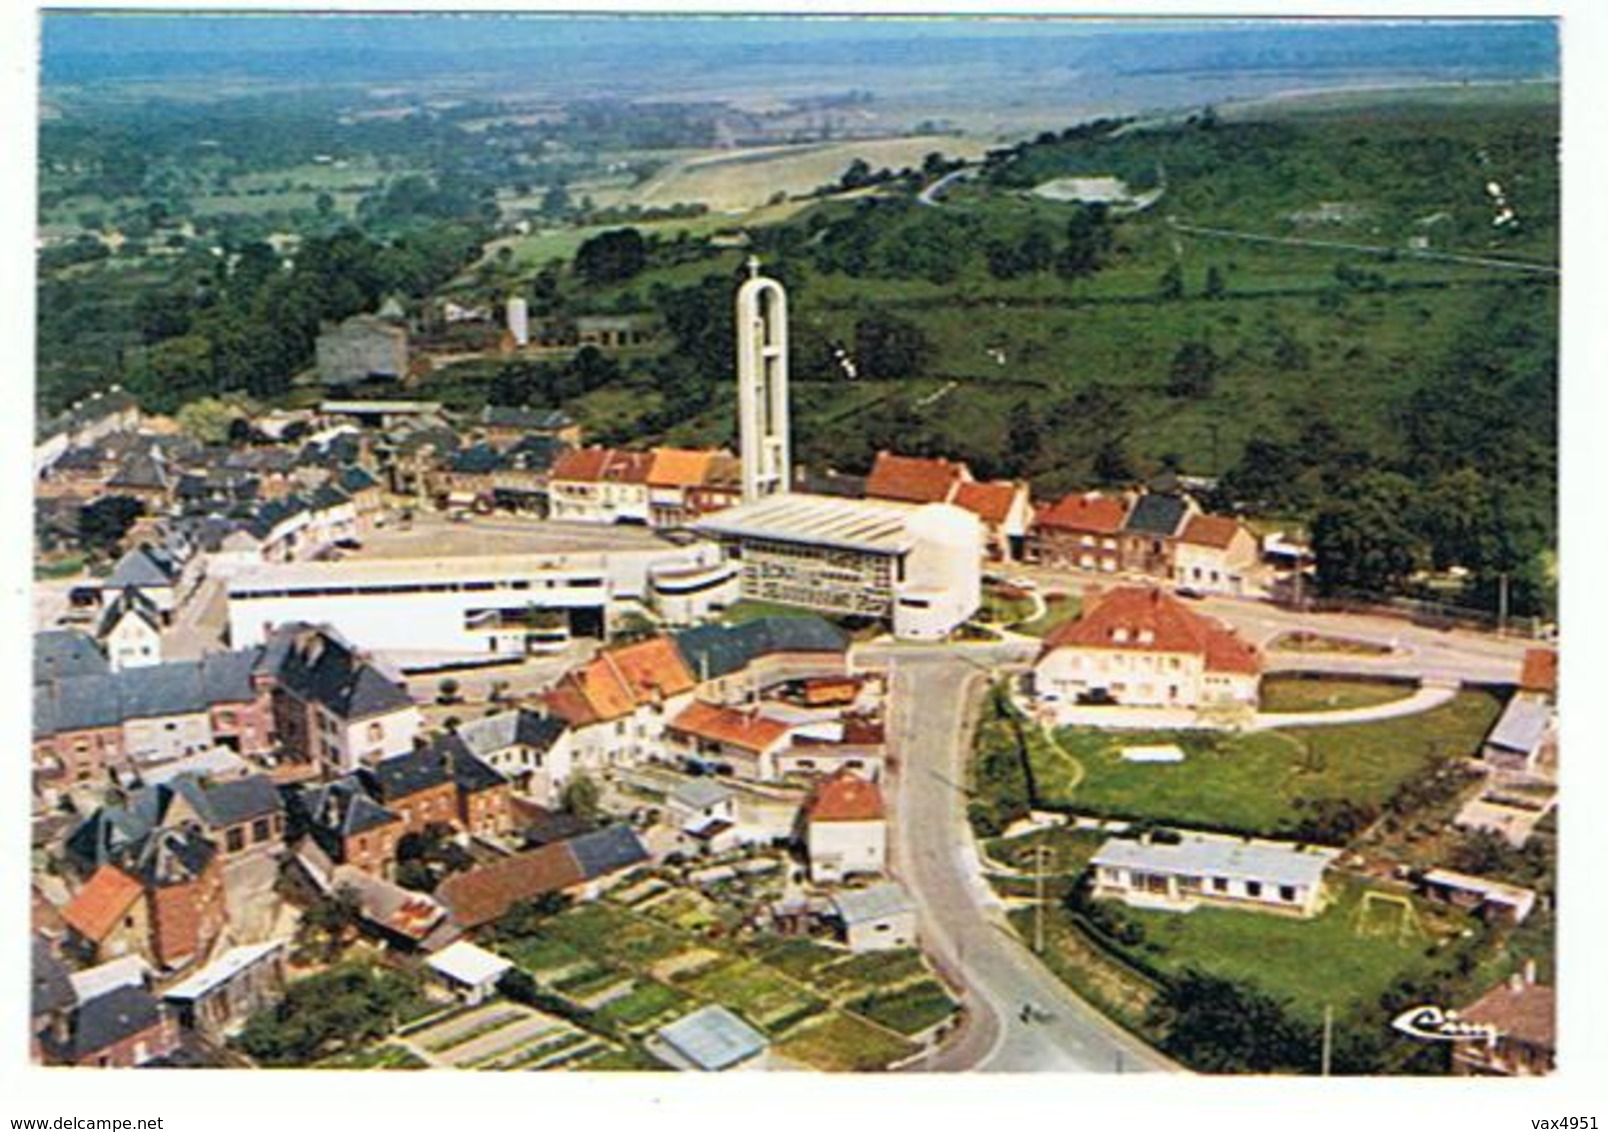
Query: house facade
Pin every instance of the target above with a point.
(1185, 871)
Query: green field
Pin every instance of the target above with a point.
(1258, 782)
(1307, 693)
(1327, 960)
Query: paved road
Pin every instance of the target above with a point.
(933, 693)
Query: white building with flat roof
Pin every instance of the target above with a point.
(916, 566)
(1184, 871)
(471, 607)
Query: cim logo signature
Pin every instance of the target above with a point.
(1432, 1024)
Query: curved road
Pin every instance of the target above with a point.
(935, 692)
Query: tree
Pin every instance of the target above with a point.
(555, 201)
(890, 348)
(1111, 463)
(208, 419)
(1456, 519)
(857, 175)
(103, 523)
(1089, 239)
(1215, 287)
(1219, 1026)
(332, 918)
(1171, 283)
(1024, 436)
(447, 690)
(1194, 370)
(580, 797)
(611, 257)
(1363, 538)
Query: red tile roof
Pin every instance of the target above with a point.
(1540, 671)
(1210, 530)
(482, 894)
(913, 479)
(628, 467)
(618, 681)
(101, 903)
(991, 502)
(1528, 1012)
(1143, 619)
(1090, 513)
(747, 730)
(845, 796)
(582, 465)
(680, 467)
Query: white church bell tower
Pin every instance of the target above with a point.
(762, 385)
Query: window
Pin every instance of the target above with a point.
(376, 732)
(1253, 888)
(1287, 893)
(261, 830)
(235, 840)
(1219, 884)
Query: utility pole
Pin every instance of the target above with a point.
(1328, 1036)
(1038, 901)
(1502, 604)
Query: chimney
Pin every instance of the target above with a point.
(1516, 981)
(1529, 972)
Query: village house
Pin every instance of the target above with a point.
(601, 485)
(1006, 512)
(120, 1029)
(579, 866)
(163, 901)
(1149, 538)
(131, 631)
(346, 825)
(1183, 871)
(845, 829)
(1215, 554)
(1525, 729)
(216, 1000)
(1522, 1016)
(1491, 900)
(1141, 647)
(915, 479)
(720, 488)
(504, 426)
(704, 814)
(879, 918)
(527, 748)
(672, 473)
(442, 784)
(616, 705)
(1079, 532)
(731, 661)
(728, 740)
(469, 973)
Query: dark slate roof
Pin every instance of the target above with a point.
(173, 688)
(406, 775)
(1156, 514)
(170, 856)
(353, 480)
(106, 835)
(76, 704)
(537, 452)
(91, 409)
(504, 416)
(51, 989)
(226, 676)
(110, 1018)
(548, 826)
(129, 601)
(61, 653)
(478, 460)
(141, 469)
(712, 651)
(142, 566)
(472, 773)
(274, 512)
(316, 664)
(441, 437)
(238, 800)
(607, 850)
(539, 732)
(338, 809)
(325, 497)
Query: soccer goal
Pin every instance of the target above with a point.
(1384, 914)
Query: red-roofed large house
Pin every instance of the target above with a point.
(915, 479)
(1215, 554)
(616, 705)
(1523, 1018)
(600, 485)
(846, 828)
(1006, 513)
(1081, 532)
(1142, 647)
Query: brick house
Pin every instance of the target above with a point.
(349, 826)
(1079, 532)
(1522, 1015)
(1150, 532)
(121, 1029)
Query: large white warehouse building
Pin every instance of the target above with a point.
(916, 566)
(482, 606)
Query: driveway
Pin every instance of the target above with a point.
(963, 925)
(1428, 696)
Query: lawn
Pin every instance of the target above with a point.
(1259, 782)
(1327, 960)
(843, 1043)
(1059, 609)
(1303, 641)
(1310, 693)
